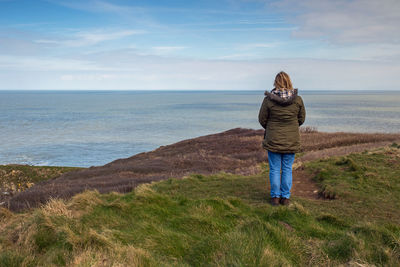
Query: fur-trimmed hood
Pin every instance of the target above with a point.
(284, 101)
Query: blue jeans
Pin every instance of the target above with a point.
(280, 187)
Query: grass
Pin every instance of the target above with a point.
(368, 181)
(220, 220)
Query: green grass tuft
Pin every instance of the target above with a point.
(10, 259)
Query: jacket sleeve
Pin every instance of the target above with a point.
(301, 116)
(263, 114)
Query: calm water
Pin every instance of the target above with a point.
(71, 128)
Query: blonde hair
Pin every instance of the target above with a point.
(282, 81)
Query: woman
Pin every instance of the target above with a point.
(281, 114)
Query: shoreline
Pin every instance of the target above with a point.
(302, 129)
(236, 151)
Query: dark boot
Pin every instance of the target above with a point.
(275, 201)
(284, 201)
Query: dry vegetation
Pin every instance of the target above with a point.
(18, 178)
(235, 151)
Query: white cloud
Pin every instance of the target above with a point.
(247, 29)
(255, 21)
(161, 50)
(129, 13)
(31, 63)
(259, 45)
(343, 21)
(87, 38)
(88, 77)
(238, 56)
(107, 71)
(93, 6)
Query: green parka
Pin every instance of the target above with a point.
(281, 119)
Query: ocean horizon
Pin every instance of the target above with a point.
(93, 127)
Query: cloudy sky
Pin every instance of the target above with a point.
(181, 44)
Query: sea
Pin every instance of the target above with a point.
(91, 128)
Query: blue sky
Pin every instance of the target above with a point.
(194, 45)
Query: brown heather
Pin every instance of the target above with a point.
(235, 151)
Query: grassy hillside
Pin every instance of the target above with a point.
(236, 151)
(220, 220)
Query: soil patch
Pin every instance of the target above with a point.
(303, 185)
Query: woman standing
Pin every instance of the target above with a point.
(281, 114)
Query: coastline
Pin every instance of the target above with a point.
(84, 129)
(236, 151)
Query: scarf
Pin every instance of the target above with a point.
(283, 93)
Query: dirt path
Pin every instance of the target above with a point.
(304, 186)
